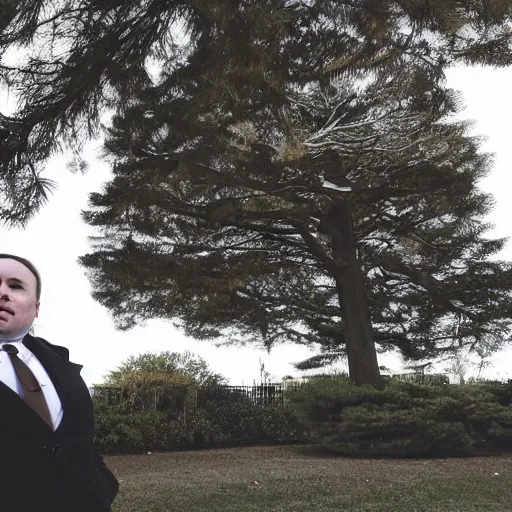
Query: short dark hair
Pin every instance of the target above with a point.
(30, 266)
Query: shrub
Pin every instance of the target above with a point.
(245, 422)
(147, 391)
(118, 432)
(224, 419)
(405, 419)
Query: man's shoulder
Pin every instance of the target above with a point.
(62, 351)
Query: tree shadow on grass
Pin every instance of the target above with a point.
(322, 452)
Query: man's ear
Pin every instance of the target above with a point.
(37, 309)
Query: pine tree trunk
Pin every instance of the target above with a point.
(361, 351)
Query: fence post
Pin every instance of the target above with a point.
(185, 409)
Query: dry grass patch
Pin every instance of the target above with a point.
(303, 478)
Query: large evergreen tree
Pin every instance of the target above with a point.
(83, 56)
(229, 211)
(230, 157)
(228, 229)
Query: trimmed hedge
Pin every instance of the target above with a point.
(406, 419)
(229, 420)
(403, 419)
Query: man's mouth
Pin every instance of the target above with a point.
(6, 310)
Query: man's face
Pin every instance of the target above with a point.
(18, 298)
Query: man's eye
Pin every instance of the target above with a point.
(17, 286)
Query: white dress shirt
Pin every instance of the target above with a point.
(8, 376)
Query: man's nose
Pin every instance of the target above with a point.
(4, 292)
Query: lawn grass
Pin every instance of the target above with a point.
(300, 479)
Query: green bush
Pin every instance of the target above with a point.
(406, 419)
(244, 422)
(118, 432)
(280, 426)
(224, 418)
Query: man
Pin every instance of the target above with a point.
(47, 456)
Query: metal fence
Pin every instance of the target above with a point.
(158, 399)
(268, 394)
(264, 394)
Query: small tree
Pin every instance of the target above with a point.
(184, 364)
(157, 381)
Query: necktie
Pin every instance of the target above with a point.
(33, 394)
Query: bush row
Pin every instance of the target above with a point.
(406, 419)
(228, 421)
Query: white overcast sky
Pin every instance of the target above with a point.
(70, 317)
